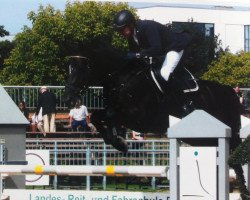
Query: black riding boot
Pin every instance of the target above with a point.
(176, 88)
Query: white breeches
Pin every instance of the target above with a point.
(171, 61)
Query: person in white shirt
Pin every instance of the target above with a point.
(37, 122)
(79, 116)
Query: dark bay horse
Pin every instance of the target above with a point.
(133, 100)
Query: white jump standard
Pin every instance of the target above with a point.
(197, 125)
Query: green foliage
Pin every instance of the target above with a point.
(5, 49)
(230, 69)
(3, 32)
(241, 154)
(39, 57)
(5, 46)
(239, 157)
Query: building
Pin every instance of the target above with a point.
(229, 20)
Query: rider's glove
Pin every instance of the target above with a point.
(132, 55)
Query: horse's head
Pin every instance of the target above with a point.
(101, 64)
(79, 72)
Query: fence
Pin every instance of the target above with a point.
(92, 98)
(96, 152)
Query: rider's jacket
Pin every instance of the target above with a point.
(154, 39)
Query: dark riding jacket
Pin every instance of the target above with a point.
(47, 100)
(155, 39)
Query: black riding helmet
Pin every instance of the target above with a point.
(122, 19)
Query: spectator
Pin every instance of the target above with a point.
(37, 123)
(137, 136)
(47, 101)
(79, 116)
(138, 145)
(22, 107)
(241, 99)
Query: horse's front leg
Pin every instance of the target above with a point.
(107, 125)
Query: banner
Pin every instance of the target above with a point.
(17, 194)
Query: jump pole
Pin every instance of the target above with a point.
(72, 170)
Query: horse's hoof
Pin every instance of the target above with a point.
(120, 144)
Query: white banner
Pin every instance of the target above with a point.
(16, 194)
(37, 157)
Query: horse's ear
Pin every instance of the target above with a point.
(77, 61)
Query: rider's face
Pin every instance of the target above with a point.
(127, 31)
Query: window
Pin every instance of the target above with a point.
(206, 28)
(247, 38)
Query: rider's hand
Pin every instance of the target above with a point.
(132, 55)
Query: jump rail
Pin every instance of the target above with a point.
(139, 171)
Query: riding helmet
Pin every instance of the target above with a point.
(122, 19)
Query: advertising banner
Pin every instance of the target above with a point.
(15, 194)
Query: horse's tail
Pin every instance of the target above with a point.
(235, 117)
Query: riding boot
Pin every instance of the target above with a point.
(176, 87)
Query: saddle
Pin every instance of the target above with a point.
(181, 76)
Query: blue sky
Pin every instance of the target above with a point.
(13, 13)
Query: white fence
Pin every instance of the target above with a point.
(92, 98)
(97, 153)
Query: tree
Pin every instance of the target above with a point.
(230, 69)
(5, 46)
(40, 54)
(3, 32)
(5, 49)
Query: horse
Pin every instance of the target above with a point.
(134, 99)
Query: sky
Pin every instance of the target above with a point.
(13, 13)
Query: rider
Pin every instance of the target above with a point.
(147, 38)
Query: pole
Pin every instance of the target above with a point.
(90, 170)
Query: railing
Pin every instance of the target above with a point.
(96, 152)
(92, 98)
(67, 152)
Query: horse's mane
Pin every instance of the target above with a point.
(103, 50)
